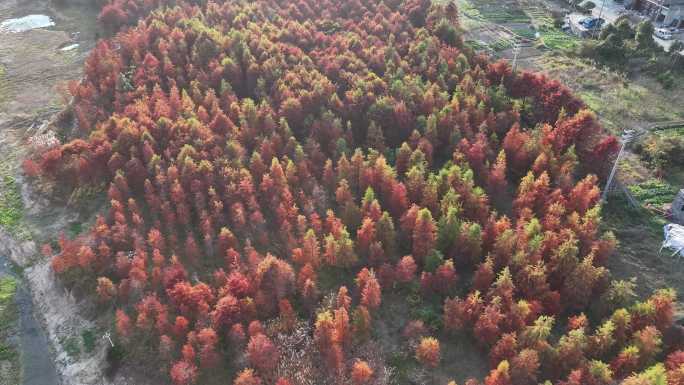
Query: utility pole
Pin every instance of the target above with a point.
(516, 51)
(107, 336)
(661, 4)
(626, 138)
(598, 26)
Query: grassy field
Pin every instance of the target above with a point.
(620, 102)
(640, 234)
(9, 357)
(620, 217)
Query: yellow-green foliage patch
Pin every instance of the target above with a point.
(11, 206)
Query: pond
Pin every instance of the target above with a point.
(77, 17)
(26, 23)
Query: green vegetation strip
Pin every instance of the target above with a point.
(11, 203)
(11, 206)
(9, 357)
(670, 132)
(653, 192)
(556, 39)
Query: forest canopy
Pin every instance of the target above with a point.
(278, 171)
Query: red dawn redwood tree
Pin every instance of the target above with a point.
(361, 373)
(406, 269)
(262, 353)
(183, 373)
(424, 234)
(428, 352)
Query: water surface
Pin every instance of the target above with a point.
(36, 362)
(26, 23)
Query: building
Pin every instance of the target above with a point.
(675, 15)
(668, 12)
